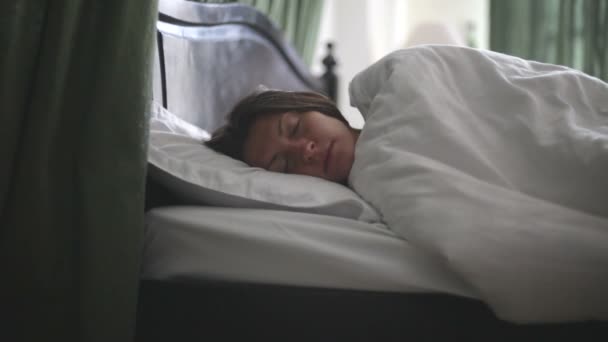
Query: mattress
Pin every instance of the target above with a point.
(288, 248)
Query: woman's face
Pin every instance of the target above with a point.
(309, 143)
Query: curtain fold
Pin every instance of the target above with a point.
(568, 32)
(298, 19)
(74, 89)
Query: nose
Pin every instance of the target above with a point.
(306, 150)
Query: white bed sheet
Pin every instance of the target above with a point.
(288, 248)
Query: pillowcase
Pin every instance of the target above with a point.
(180, 161)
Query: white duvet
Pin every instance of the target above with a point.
(498, 166)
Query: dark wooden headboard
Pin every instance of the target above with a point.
(211, 55)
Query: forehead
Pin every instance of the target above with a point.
(258, 149)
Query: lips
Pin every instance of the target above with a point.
(328, 157)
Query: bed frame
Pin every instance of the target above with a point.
(209, 56)
(243, 49)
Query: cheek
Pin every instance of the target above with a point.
(347, 158)
(348, 154)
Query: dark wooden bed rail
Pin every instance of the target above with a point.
(229, 311)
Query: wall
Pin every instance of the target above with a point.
(365, 30)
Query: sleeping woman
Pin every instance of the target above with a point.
(496, 165)
(290, 132)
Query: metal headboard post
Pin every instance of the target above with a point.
(161, 60)
(329, 78)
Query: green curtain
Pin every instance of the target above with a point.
(298, 19)
(567, 32)
(74, 92)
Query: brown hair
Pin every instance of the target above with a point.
(230, 138)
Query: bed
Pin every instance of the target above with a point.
(222, 270)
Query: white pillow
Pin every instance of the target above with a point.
(179, 160)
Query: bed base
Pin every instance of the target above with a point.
(220, 311)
